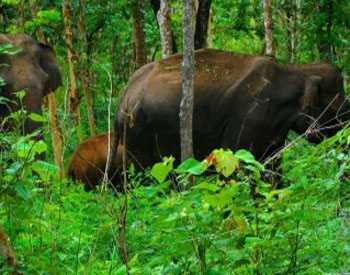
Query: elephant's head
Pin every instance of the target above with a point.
(324, 108)
(32, 68)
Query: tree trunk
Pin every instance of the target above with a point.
(56, 133)
(163, 17)
(210, 29)
(156, 7)
(202, 22)
(325, 45)
(21, 15)
(73, 91)
(186, 106)
(269, 49)
(84, 72)
(139, 34)
(290, 24)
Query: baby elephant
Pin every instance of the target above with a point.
(88, 163)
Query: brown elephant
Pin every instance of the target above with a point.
(88, 163)
(240, 101)
(33, 69)
(329, 110)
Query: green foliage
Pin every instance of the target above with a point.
(226, 219)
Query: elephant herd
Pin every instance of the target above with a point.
(240, 101)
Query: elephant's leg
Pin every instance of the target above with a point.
(139, 149)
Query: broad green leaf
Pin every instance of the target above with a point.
(206, 186)
(21, 191)
(192, 166)
(46, 17)
(22, 148)
(37, 118)
(226, 162)
(245, 155)
(248, 157)
(39, 147)
(161, 170)
(45, 170)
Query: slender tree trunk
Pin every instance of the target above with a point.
(164, 22)
(269, 49)
(291, 12)
(21, 15)
(186, 106)
(202, 22)
(84, 71)
(56, 133)
(325, 45)
(156, 7)
(210, 30)
(114, 64)
(74, 100)
(139, 34)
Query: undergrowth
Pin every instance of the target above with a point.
(217, 216)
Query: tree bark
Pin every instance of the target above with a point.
(139, 34)
(21, 15)
(292, 11)
(202, 22)
(269, 49)
(84, 72)
(56, 133)
(186, 105)
(74, 100)
(156, 6)
(164, 22)
(325, 45)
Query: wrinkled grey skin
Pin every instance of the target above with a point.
(34, 69)
(328, 110)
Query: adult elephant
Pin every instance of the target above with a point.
(240, 101)
(33, 69)
(329, 110)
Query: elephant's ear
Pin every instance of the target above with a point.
(311, 95)
(48, 63)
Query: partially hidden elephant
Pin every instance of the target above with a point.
(88, 162)
(329, 111)
(33, 69)
(240, 101)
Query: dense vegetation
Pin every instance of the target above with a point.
(222, 217)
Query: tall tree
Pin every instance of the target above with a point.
(84, 71)
(74, 100)
(163, 17)
(186, 105)
(269, 49)
(325, 46)
(156, 7)
(292, 8)
(139, 34)
(202, 22)
(56, 133)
